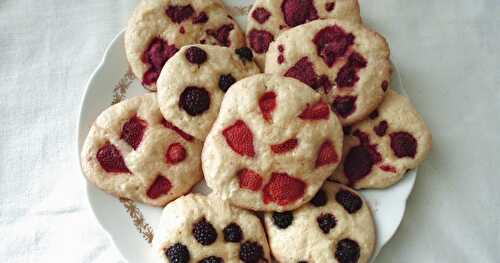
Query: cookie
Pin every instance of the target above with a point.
(131, 151)
(267, 19)
(196, 228)
(344, 61)
(193, 82)
(273, 144)
(379, 150)
(159, 28)
(336, 226)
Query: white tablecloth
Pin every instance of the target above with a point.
(447, 52)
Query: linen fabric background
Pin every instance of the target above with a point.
(447, 53)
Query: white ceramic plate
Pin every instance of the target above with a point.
(131, 225)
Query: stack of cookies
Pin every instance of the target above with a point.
(282, 131)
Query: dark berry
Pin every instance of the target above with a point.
(326, 222)
(359, 161)
(344, 106)
(179, 13)
(282, 220)
(232, 233)
(244, 53)
(225, 81)
(330, 6)
(178, 253)
(347, 75)
(347, 251)
(194, 100)
(381, 128)
(201, 18)
(302, 261)
(320, 198)
(204, 232)
(196, 55)
(403, 144)
(373, 115)
(350, 201)
(251, 252)
(212, 259)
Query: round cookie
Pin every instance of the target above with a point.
(132, 152)
(196, 228)
(268, 18)
(336, 226)
(273, 144)
(379, 150)
(344, 61)
(159, 28)
(193, 82)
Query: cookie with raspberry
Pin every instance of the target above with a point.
(381, 149)
(267, 19)
(159, 28)
(273, 144)
(336, 226)
(197, 228)
(344, 61)
(131, 151)
(193, 83)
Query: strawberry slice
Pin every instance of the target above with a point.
(249, 179)
(176, 153)
(283, 189)
(326, 154)
(240, 138)
(133, 131)
(171, 126)
(160, 187)
(284, 147)
(111, 160)
(267, 104)
(318, 111)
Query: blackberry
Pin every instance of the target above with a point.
(194, 100)
(326, 222)
(319, 199)
(347, 251)
(233, 233)
(212, 259)
(282, 220)
(178, 253)
(196, 55)
(244, 53)
(350, 201)
(204, 232)
(225, 81)
(251, 252)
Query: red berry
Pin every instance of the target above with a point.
(260, 40)
(171, 126)
(133, 131)
(160, 187)
(318, 111)
(388, 168)
(176, 153)
(283, 189)
(221, 34)
(261, 15)
(111, 159)
(381, 128)
(303, 70)
(267, 104)
(297, 12)
(201, 18)
(249, 179)
(403, 144)
(347, 75)
(331, 43)
(284, 147)
(344, 106)
(240, 138)
(179, 13)
(326, 154)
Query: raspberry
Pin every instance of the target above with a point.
(179, 13)
(317, 111)
(240, 138)
(303, 70)
(225, 81)
(175, 153)
(403, 144)
(201, 18)
(251, 252)
(331, 43)
(281, 59)
(150, 76)
(283, 189)
(261, 15)
(326, 154)
(385, 85)
(267, 104)
(222, 34)
(362, 137)
(133, 131)
(249, 179)
(204, 232)
(330, 6)
(160, 187)
(170, 126)
(381, 128)
(344, 106)
(320, 199)
(196, 55)
(282, 220)
(260, 40)
(284, 147)
(281, 48)
(157, 53)
(326, 222)
(359, 161)
(182, 30)
(347, 251)
(111, 159)
(373, 115)
(194, 100)
(211, 259)
(347, 75)
(388, 168)
(178, 253)
(244, 53)
(350, 201)
(232, 233)
(325, 83)
(297, 12)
